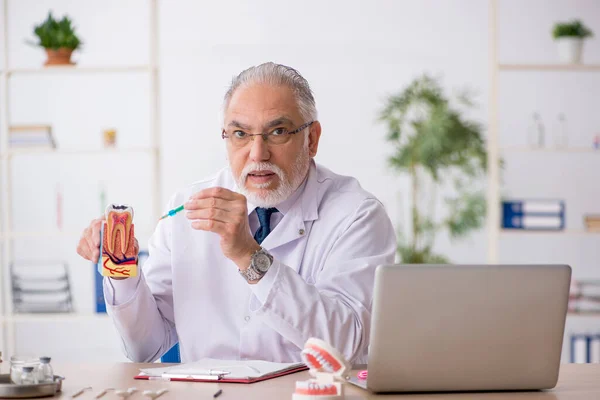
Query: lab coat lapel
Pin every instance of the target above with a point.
(296, 223)
(290, 228)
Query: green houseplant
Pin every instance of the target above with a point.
(440, 150)
(569, 37)
(58, 38)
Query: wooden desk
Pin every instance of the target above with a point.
(576, 381)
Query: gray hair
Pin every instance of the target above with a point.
(277, 75)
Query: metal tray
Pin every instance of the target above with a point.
(9, 390)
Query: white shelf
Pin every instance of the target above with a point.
(66, 69)
(528, 149)
(550, 67)
(147, 70)
(549, 232)
(52, 317)
(58, 152)
(583, 313)
(40, 234)
(54, 234)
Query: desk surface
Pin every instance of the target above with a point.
(576, 381)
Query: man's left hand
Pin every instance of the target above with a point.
(225, 213)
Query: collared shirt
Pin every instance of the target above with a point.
(326, 248)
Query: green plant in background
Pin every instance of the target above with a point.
(57, 34)
(439, 149)
(574, 28)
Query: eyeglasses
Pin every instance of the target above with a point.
(276, 137)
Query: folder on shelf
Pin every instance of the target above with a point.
(585, 348)
(533, 214)
(233, 371)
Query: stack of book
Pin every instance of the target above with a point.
(584, 296)
(533, 214)
(592, 223)
(31, 136)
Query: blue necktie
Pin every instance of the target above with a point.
(264, 217)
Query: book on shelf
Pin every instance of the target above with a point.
(533, 214)
(31, 136)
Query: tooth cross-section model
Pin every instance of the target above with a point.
(118, 255)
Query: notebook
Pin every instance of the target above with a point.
(235, 371)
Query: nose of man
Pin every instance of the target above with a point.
(259, 150)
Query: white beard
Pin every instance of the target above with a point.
(270, 198)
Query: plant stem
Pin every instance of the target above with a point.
(415, 211)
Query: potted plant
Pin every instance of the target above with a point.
(569, 37)
(58, 38)
(439, 149)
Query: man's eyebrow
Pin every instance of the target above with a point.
(279, 121)
(237, 124)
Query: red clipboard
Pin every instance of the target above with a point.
(224, 379)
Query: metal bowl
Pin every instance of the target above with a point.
(9, 390)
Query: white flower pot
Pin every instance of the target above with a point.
(570, 49)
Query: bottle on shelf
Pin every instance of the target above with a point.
(536, 132)
(44, 372)
(561, 138)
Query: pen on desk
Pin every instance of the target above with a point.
(217, 394)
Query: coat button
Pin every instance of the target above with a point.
(301, 232)
(247, 318)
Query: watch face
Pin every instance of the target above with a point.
(262, 262)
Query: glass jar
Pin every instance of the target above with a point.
(28, 377)
(18, 362)
(44, 372)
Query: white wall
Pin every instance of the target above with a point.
(354, 54)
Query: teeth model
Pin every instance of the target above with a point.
(119, 256)
(329, 368)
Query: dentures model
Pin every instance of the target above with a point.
(328, 367)
(118, 256)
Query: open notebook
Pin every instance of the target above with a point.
(208, 370)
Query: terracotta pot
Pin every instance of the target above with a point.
(61, 56)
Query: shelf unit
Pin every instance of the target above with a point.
(577, 321)
(549, 232)
(549, 67)
(60, 69)
(566, 150)
(7, 235)
(79, 152)
(494, 229)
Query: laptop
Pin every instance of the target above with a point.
(440, 328)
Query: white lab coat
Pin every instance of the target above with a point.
(326, 248)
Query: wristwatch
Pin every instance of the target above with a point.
(260, 262)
